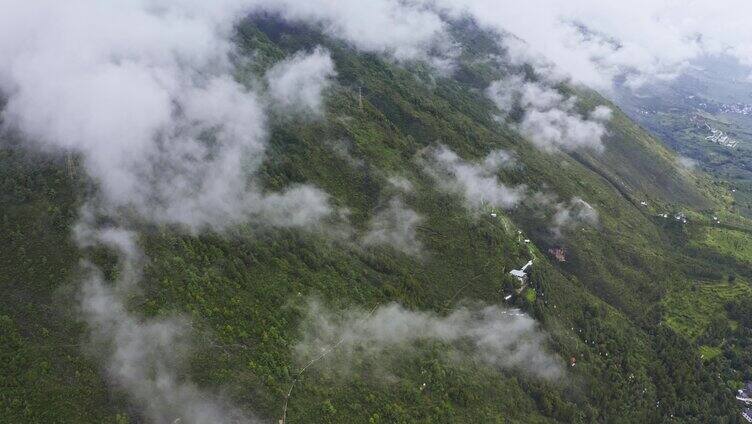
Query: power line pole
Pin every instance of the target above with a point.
(70, 165)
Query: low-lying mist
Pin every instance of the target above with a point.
(492, 335)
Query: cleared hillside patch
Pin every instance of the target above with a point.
(729, 242)
(689, 312)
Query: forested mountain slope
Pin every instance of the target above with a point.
(616, 308)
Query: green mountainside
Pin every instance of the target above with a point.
(652, 310)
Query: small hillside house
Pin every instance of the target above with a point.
(521, 274)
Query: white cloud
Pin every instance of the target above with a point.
(593, 41)
(401, 183)
(402, 30)
(296, 84)
(505, 92)
(558, 128)
(146, 358)
(144, 93)
(601, 113)
(576, 212)
(395, 226)
(686, 162)
(503, 338)
(476, 182)
(550, 120)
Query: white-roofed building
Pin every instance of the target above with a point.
(747, 414)
(521, 274)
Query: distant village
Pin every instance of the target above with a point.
(737, 108)
(716, 136)
(719, 137)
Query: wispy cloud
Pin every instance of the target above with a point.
(503, 338)
(573, 213)
(146, 96)
(686, 162)
(415, 32)
(549, 119)
(146, 358)
(477, 183)
(296, 84)
(395, 226)
(595, 43)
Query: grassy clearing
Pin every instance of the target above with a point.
(530, 295)
(728, 242)
(689, 312)
(709, 352)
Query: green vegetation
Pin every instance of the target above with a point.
(708, 353)
(690, 312)
(736, 244)
(46, 377)
(244, 291)
(530, 295)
